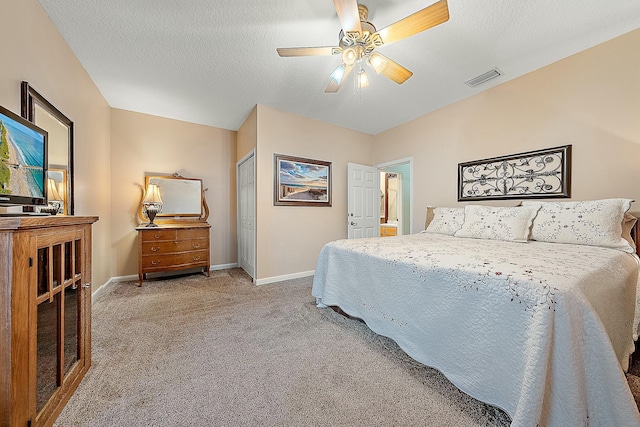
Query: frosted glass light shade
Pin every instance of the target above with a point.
(363, 79)
(338, 73)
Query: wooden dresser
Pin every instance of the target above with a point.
(171, 247)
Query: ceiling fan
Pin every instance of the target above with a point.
(358, 40)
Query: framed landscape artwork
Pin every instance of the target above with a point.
(534, 174)
(301, 182)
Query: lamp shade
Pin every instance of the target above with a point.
(152, 195)
(61, 190)
(52, 190)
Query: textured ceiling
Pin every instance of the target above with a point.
(211, 62)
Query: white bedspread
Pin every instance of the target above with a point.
(541, 330)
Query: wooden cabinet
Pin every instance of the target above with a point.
(45, 315)
(388, 230)
(173, 247)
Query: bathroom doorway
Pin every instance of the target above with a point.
(390, 204)
(396, 188)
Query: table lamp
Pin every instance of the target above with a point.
(152, 203)
(54, 198)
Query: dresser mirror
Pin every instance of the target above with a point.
(182, 199)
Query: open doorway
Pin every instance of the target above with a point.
(396, 217)
(391, 219)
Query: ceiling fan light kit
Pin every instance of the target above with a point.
(363, 79)
(359, 38)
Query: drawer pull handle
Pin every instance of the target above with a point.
(156, 236)
(155, 248)
(153, 262)
(175, 242)
(196, 258)
(196, 246)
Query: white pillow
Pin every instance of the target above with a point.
(497, 223)
(593, 223)
(446, 221)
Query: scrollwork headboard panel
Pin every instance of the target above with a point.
(534, 174)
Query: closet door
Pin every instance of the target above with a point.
(59, 322)
(246, 214)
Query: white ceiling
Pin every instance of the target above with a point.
(212, 61)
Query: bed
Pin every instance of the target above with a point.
(541, 329)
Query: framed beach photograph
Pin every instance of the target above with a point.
(301, 182)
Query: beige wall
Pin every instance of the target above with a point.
(590, 100)
(149, 145)
(290, 238)
(247, 135)
(34, 51)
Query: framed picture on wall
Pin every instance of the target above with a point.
(301, 182)
(535, 174)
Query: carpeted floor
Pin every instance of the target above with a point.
(219, 351)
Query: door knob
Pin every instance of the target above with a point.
(353, 223)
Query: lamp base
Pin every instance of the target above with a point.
(152, 211)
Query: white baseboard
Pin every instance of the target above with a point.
(131, 277)
(284, 277)
(223, 266)
(103, 289)
(123, 278)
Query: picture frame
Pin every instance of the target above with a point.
(301, 182)
(534, 174)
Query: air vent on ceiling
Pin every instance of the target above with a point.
(483, 78)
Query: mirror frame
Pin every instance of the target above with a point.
(29, 98)
(172, 218)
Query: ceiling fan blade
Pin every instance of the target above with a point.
(309, 51)
(336, 80)
(389, 68)
(348, 15)
(422, 20)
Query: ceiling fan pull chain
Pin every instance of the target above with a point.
(359, 83)
(355, 81)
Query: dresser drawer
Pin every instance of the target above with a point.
(157, 235)
(162, 262)
(168, 247)
(192, 233)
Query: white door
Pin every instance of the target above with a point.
(363, 206)
(246, 215)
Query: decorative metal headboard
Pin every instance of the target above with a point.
(534, 174)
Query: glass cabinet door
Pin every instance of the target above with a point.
(59, 306)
